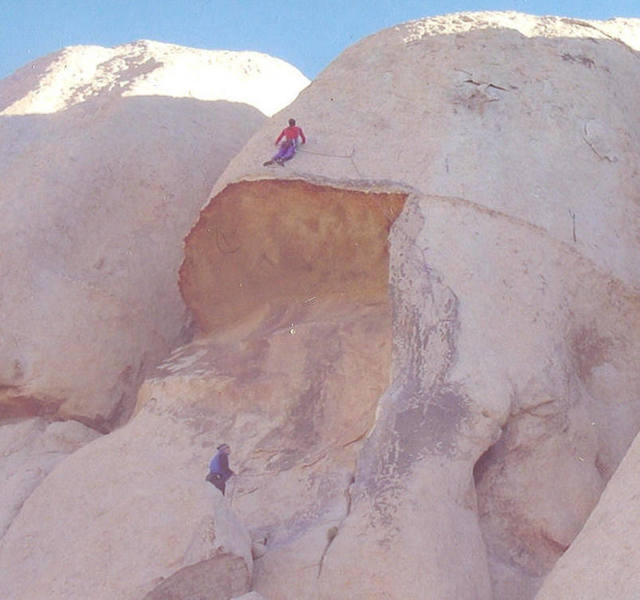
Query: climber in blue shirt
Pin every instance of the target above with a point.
(219, 470)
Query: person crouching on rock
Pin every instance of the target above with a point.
(219, 470)
(289, 136)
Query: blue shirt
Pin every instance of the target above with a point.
(220, 464)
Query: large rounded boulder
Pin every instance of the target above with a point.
(512, 283)
(105, 159)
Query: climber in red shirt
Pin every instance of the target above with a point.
(287, 149)
(293, 132)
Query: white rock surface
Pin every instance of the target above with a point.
(105, 159)
(147, 68)
(505, 110)
(29, 451)
(602, 561)
(518, 136)
(126, 517)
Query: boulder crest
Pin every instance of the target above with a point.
(77, 74)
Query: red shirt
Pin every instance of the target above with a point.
(291, 133)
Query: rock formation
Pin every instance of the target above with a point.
(105, 159)
(420, 338)
(145, 68)
(166, 536)
(602, 561)
(29, 451)
(514, 288)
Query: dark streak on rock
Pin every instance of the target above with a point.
(579, 58)
(422, 412)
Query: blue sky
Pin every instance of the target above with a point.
(307, 33)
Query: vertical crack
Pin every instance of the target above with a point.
(332, 532)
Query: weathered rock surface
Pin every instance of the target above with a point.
(514, 281)
(271, 247)
(105, 159)
(602, 562)
(505, 110)
(420, 337)
(146, 68)
(29, 451)
(127, 516)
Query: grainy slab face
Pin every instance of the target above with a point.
(268, 245)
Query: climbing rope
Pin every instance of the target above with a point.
(324, 154)
(349, 156)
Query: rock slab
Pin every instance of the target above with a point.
(105, 161)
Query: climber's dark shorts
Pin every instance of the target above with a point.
(216, 479)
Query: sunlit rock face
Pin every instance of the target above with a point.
(119, 527)
(146, 68)
(106, 157)
(420, 337)
(513, 284)
(293, 391)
